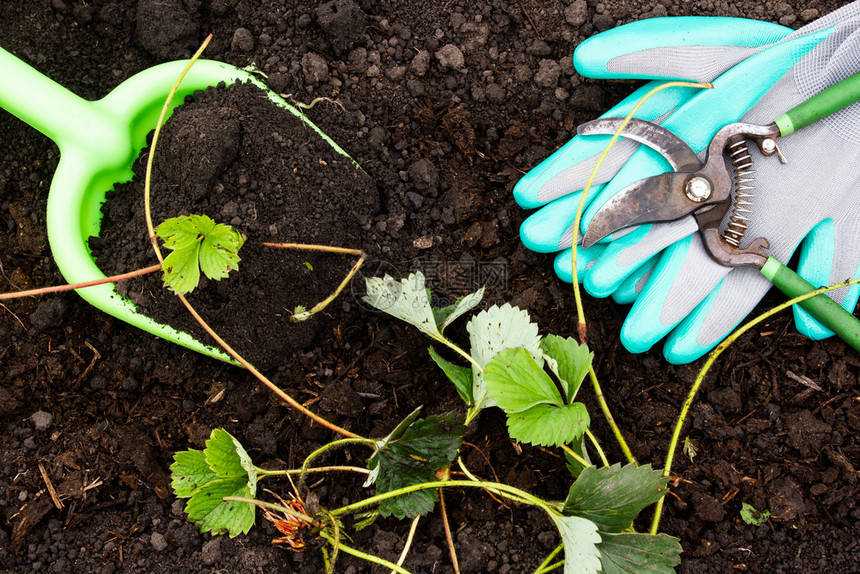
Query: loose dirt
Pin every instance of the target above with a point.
(98, 408)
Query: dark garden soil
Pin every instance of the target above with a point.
(97, 408)
(237, 157)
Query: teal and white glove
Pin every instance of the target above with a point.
(683, 294)
(666, 48)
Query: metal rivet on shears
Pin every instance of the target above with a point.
(698, 189)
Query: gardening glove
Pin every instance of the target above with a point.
(700, 48)
(809, 203)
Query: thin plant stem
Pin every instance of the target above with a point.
(305, 315)
(336, 545)
(147, 208)
(492, 494)
(325, 447)
(578, 219)
(575, 455)
(712, 357)
(448, 537)
(498, 488)
(314, 247)
(545, 564)
(599, 450)
(152, 237)
(369, 557)
(552, 567)
(358, 469)
(412, 528)
(59, 288)
(577, 295)
(607, 415)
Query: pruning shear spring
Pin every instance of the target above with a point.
(705, 191)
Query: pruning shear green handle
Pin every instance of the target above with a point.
(838, 96)
(704, 190)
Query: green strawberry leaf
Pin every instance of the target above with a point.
(493, 330)
(209, 512)
(570, 363)
(752, 516)
(182, 231)
(515, 382)
(460, 376)
(549, 425)
(190, 471)
(219, 252)
(197, 242)
(412, 457)
(635, 553)
(612, 497)
(580, 539)
(181, 270)
(222, 455)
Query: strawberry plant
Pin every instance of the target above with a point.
(197, 243)
(533, 379)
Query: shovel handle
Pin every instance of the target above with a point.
(824, 103)
(827, 311)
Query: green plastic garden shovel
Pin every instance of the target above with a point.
(99, 142)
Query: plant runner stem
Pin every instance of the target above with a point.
(59, 288)
(368, 557)
(262, 378)
(691, 395)
(153, 239)
(610, 420)
(498, 488)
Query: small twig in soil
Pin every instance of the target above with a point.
(50, 486)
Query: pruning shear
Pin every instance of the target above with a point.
(705, 191)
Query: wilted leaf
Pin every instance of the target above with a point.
(580, 539)
(406, 299)
(447, 315)
(413, 457)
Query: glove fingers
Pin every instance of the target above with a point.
(817, 265)
(717, 316)
(667, 48)
(584, 259)
(626, 255)
(733, 94)
(567, 170)
(683, 277)
(550, 228)
(630, 289)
